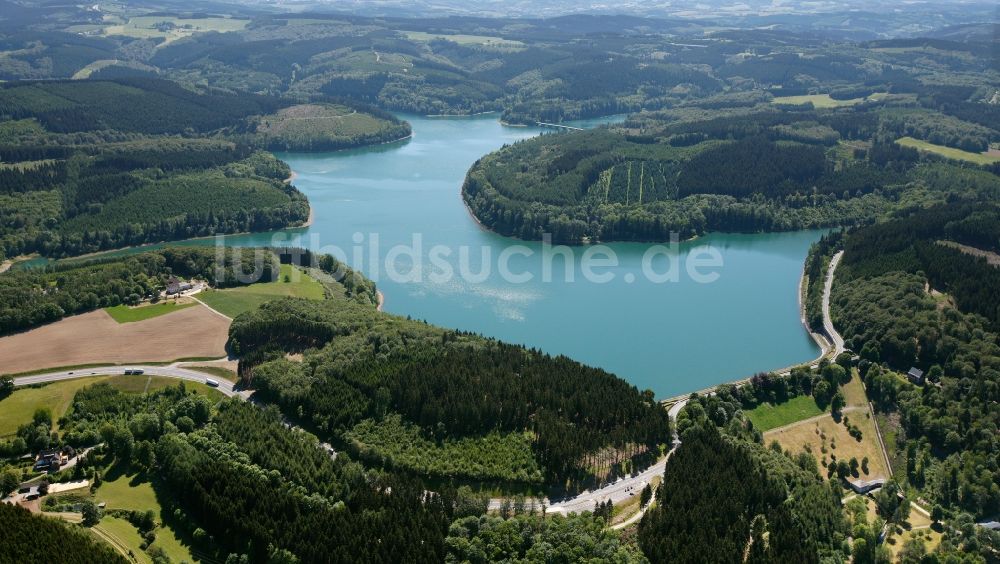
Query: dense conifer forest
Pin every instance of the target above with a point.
(752, 505)
(531, 417)
(32, 538)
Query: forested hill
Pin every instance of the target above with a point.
(724, 499)
(702, 168)
(95, 164)
(906, 295)
(411, 396)
(135, 105)
(531, 70)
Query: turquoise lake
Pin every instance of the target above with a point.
(672, 337)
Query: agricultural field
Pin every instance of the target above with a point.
(461, 39)
(817, 100)
(18, 408)
(948, 152)
(234, 301)
(173, 28)
(126, 314)
(95, 337)
(767, 416)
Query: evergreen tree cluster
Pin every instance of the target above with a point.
(450, 385)
(527, 538)
(254, 498)
(724, 499)
(33, 538)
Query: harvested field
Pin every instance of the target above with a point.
(829, 440)
(95, 337)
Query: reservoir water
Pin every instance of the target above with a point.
(672, 337)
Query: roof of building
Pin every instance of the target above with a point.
(916, 372)
(866, 485)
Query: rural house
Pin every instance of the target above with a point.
(916, 375)
(49, 459)
(175, 286)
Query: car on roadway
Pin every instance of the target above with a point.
(211, 382)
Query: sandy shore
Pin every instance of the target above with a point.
(291, 178)
(312, 215)
(381, 300)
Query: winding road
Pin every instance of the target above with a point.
(171, 371)
(831, 331)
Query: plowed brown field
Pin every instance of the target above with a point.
(97, 338)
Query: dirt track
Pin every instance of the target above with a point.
(96, 338)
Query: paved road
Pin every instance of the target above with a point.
(831, 331)
(225, 386)
(619, 491)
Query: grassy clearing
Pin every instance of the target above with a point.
(767, 416)
(122, 535)
(173, 28)
(854, 392)
(235, 301)
(464, 39)
(828, 440)
(948, 152)
(917, 526)
(124, 491)
(144, 383)
(126, 314)
(18, 408)
(817, 100)
(90, 69)
(889, 425)
(307, 125)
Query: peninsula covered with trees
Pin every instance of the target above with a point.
(743, 165)
(412, 396)
(96, 165)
